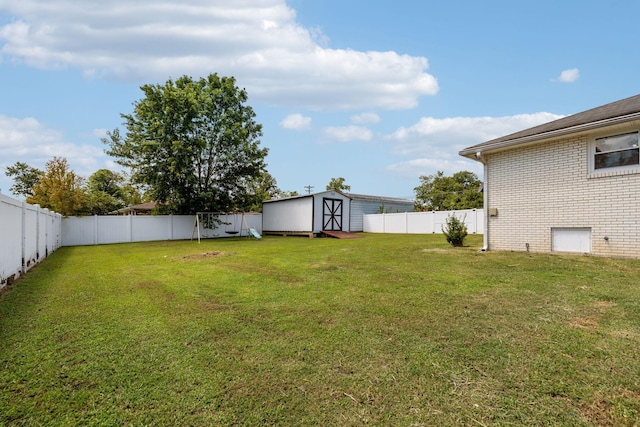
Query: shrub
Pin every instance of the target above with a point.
(455, 230)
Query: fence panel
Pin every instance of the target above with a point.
(11, 232)
(419, 223)
(396, 223)
(31, 234)
(113, 229)
(43, 235)
(77, 231)
(373, 222)
(146, 228)
(182, 227)
(422, 222)
(99, 230)
(53, 232)
(28, 235)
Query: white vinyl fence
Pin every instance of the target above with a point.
(422, 222)
(100, 230)
(28, 234)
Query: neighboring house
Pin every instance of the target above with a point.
(140, 209)
(311, 214)
(571, 185)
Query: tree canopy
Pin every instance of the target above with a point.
(59, 189)
(441, 193)
(108, 191)
(262, 188)
(337, 184)
(194, 144)
(24, 178)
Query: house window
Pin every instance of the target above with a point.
(616, 151)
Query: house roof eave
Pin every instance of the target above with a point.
(500, 144)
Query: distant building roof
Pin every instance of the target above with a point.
(142, 208)
(377, 198)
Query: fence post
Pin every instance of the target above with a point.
(38, 213)
(433, 222)
(46, 234)
(23, 228)
(95, 229)
(475, 220)
(170, 226)
(406, 223)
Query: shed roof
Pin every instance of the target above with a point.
(302, 196)
(347, 195)
(617, 112)
(377, 198)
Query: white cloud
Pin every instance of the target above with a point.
(99, 133)
(296, 122)
(433, 144)
(30, 141)
(438, 137)
(418, 167)
(569, 76)
(348, 133)
(365, 118)
(259, 42)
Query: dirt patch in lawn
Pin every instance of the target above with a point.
(604, 304)
(591, 322)
(599, 411)
(584, 322)
(214, 306)
(602, 409)
(204, 255)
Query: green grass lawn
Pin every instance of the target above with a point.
(383, 330)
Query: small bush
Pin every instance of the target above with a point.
(455, 230)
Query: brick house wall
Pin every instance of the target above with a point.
(538, 187)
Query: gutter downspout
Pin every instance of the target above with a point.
(485, 203)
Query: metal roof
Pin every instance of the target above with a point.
(348, 195)
(302, 196)
(377, 198)
(617, 112)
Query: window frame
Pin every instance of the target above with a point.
(635, 168)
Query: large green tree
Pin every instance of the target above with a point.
(441, 193)
(108, 191)
(24, 177)
(194, 144)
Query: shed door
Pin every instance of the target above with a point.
(571, 240)
(332, 214)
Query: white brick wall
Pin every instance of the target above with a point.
(548, 185)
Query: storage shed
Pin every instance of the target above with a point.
(311, 214)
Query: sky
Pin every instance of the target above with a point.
(377, 92)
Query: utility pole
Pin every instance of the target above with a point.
(309, 188)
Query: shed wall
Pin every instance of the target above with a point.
(292, 215)
(546, 186)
